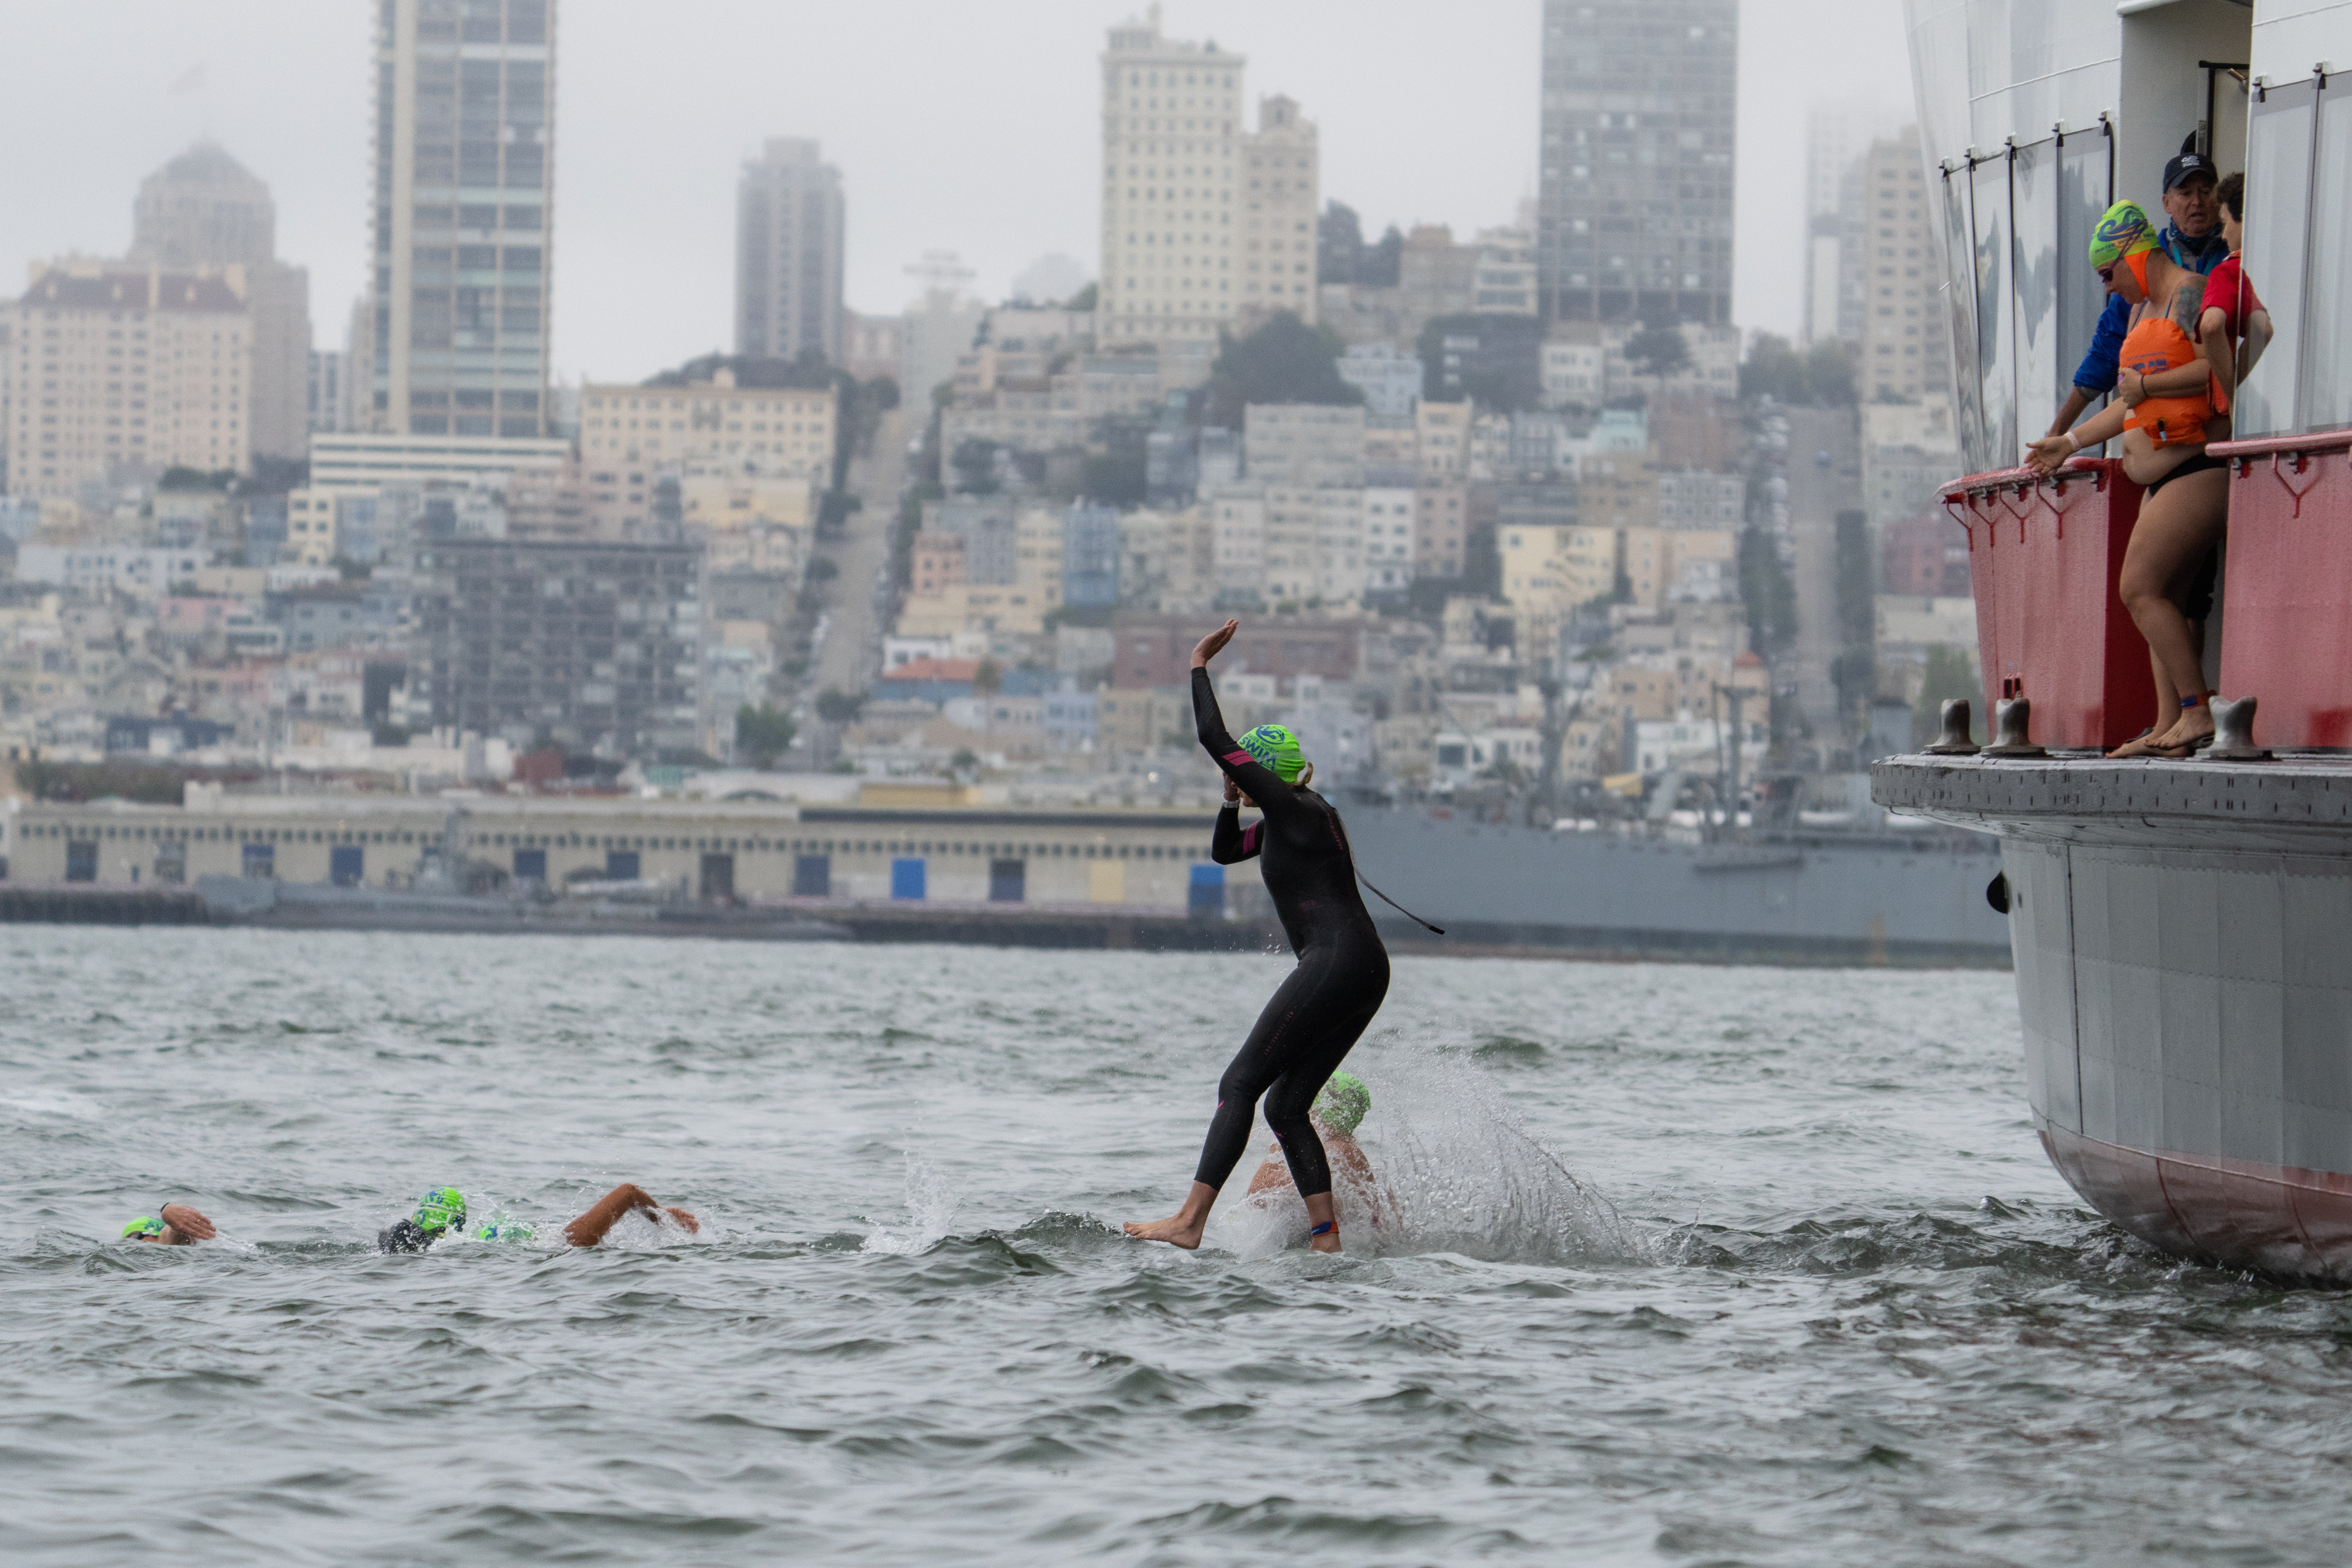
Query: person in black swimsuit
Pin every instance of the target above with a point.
(1319, 1012)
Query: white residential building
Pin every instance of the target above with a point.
(120, 370)
(1237, 542)
(1389, 380)
(1574, 375)
(1204, 226)
(1389, 523)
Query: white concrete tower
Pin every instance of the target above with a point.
(1171, 127)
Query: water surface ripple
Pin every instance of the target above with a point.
(1682, 1266)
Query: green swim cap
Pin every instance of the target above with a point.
(1276, 747)
(442, 1208)
(2123, 230)
(1342, 1104)
(146, 1225)
(502, 1230)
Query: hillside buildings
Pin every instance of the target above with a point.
(789, 217)
(463, 204)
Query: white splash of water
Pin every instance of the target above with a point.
(1454, 1170)
(930, 1210)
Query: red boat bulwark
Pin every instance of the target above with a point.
(2286, 594)
(2044, 556)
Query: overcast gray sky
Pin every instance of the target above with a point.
(970, 127)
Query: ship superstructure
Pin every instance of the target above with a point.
(2180, 929)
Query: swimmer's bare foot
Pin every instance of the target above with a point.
(1183, 1227)
(1176, 1230)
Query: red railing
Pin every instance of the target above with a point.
(2044, 556)
(2286, 593)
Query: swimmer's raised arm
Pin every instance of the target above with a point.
(607, 1211)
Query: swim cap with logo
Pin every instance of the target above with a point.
(146, 1225)
(2123, 230)
(1342, 1104)
(442, 1208)
(1276, 747)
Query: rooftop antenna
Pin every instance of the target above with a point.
(941, 270)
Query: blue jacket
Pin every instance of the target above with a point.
(2097, 375)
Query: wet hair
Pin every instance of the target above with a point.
(2232, 194)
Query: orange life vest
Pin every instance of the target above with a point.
(2158, 344)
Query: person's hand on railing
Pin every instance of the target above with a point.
(2049, 454)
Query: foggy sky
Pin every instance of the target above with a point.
(971, 127)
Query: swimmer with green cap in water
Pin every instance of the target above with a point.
(1337, 1112)
(174, 1225)
(442, 1212)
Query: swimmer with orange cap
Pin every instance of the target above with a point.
(2164, 437)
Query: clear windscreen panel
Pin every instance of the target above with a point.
(2325, 400)
(1963, 321)
(1996, 315)
(1959, 293)
(2034, 186)
(2279, 204)
(2085, 191)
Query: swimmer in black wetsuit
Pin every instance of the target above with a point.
(1327, 1002)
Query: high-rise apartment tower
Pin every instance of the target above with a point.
(1633, 216)
(464, 217)
(1906, 346)
(788, 249)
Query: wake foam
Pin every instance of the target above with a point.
(1454, 1170)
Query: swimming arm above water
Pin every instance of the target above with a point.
(607, 1212)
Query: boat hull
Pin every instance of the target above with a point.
(2243, 1214)
(2182, 942)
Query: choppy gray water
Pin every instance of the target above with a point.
(1690, 1266)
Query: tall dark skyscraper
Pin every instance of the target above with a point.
(465, 217)
(1640, 106)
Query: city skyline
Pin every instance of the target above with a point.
(286, 92)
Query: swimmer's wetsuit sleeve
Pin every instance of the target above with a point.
(1231, 842)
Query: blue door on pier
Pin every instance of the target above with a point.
(906, 877)
(1008, 881)
(530, 866)
(1206, 897)
(343, 864)
(811, 876)
(620, 865)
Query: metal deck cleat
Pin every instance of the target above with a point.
(1954, 742)
(2233, 734)
(2010, 720)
